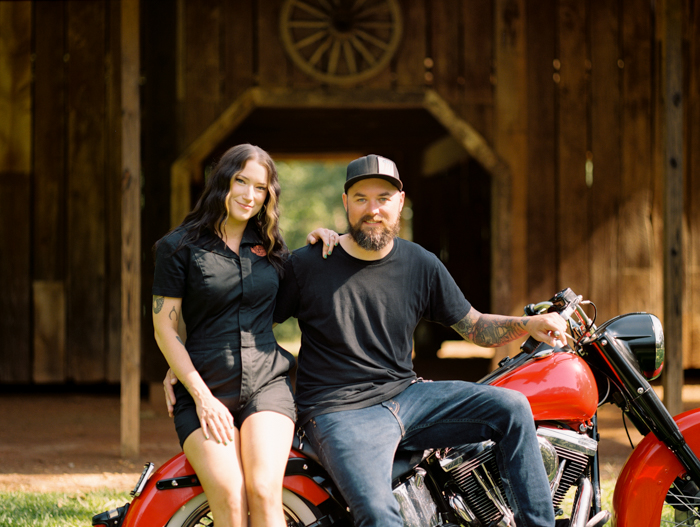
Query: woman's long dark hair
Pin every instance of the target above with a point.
(211, 211)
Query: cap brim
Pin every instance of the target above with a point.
(394, 181)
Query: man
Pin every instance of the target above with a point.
(357, 395)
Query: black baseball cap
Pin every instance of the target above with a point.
(372, 166)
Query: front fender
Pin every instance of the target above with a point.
(648, 473)
(156, 507)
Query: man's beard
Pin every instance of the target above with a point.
(374, 239)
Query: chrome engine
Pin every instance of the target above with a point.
(416, 504)
(481, 498)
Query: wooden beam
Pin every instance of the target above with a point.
(511, 141)
(188, 166)
(441, 155)
(131, 230)
(672, 73)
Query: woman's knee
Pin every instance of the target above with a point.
(263, 492)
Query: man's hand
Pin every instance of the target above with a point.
(168, 383)
(549, 328)
(328, 237)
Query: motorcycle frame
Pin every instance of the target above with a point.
(643, 405)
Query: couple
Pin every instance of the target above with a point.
(226, 271)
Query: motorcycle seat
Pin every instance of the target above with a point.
(404, 460)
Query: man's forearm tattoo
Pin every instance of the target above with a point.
(492, 331)
(180, 340)
(173, 314)
(158, 303)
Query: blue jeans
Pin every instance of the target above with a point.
(357, 446)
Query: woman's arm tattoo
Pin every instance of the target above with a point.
(158, 303)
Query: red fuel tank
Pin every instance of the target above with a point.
(560, 387)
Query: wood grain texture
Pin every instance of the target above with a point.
(15, 191)
(86, 191)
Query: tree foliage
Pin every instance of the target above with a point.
(310, 198)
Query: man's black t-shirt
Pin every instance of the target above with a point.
(357, 320)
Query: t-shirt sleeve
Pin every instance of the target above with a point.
(287, 304)
(447, 304)
(171, 269)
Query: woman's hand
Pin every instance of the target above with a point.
(328, 237)
(215, 418)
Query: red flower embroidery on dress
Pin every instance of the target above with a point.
(259, 250)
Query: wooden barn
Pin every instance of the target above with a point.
(543, 143)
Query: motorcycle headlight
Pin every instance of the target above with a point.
(643, 338)
(653, 363)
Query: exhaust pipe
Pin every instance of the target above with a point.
(582, 505)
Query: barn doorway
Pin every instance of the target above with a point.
(451, 191)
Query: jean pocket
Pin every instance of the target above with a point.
(392, 406)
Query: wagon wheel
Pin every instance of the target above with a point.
(341, 41)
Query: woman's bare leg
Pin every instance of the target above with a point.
(266, 438)
(220, 472)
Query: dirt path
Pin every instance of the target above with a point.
(70, 442)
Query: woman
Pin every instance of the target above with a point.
(219, 270)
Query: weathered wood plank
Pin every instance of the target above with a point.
(272, 60)
(15, 206)
(131, 229)
(572, 218)
(638, 283)
(49, 300)
(159, 133)
(691, 322)
(113, 220)
(15, 283)
(15, 87)
(238, 59)
(86, 191)
(674, 260)
(510, 139)
(476, 81)
(203, 74)
(49, 141)
(542, 256)
(603, 161)
(446, 51)
(409, 62)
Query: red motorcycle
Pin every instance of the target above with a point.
(462, 487)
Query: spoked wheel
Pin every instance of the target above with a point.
(196, 513)
(682, 505)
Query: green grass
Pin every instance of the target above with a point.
(56, 509)
(59, 509)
